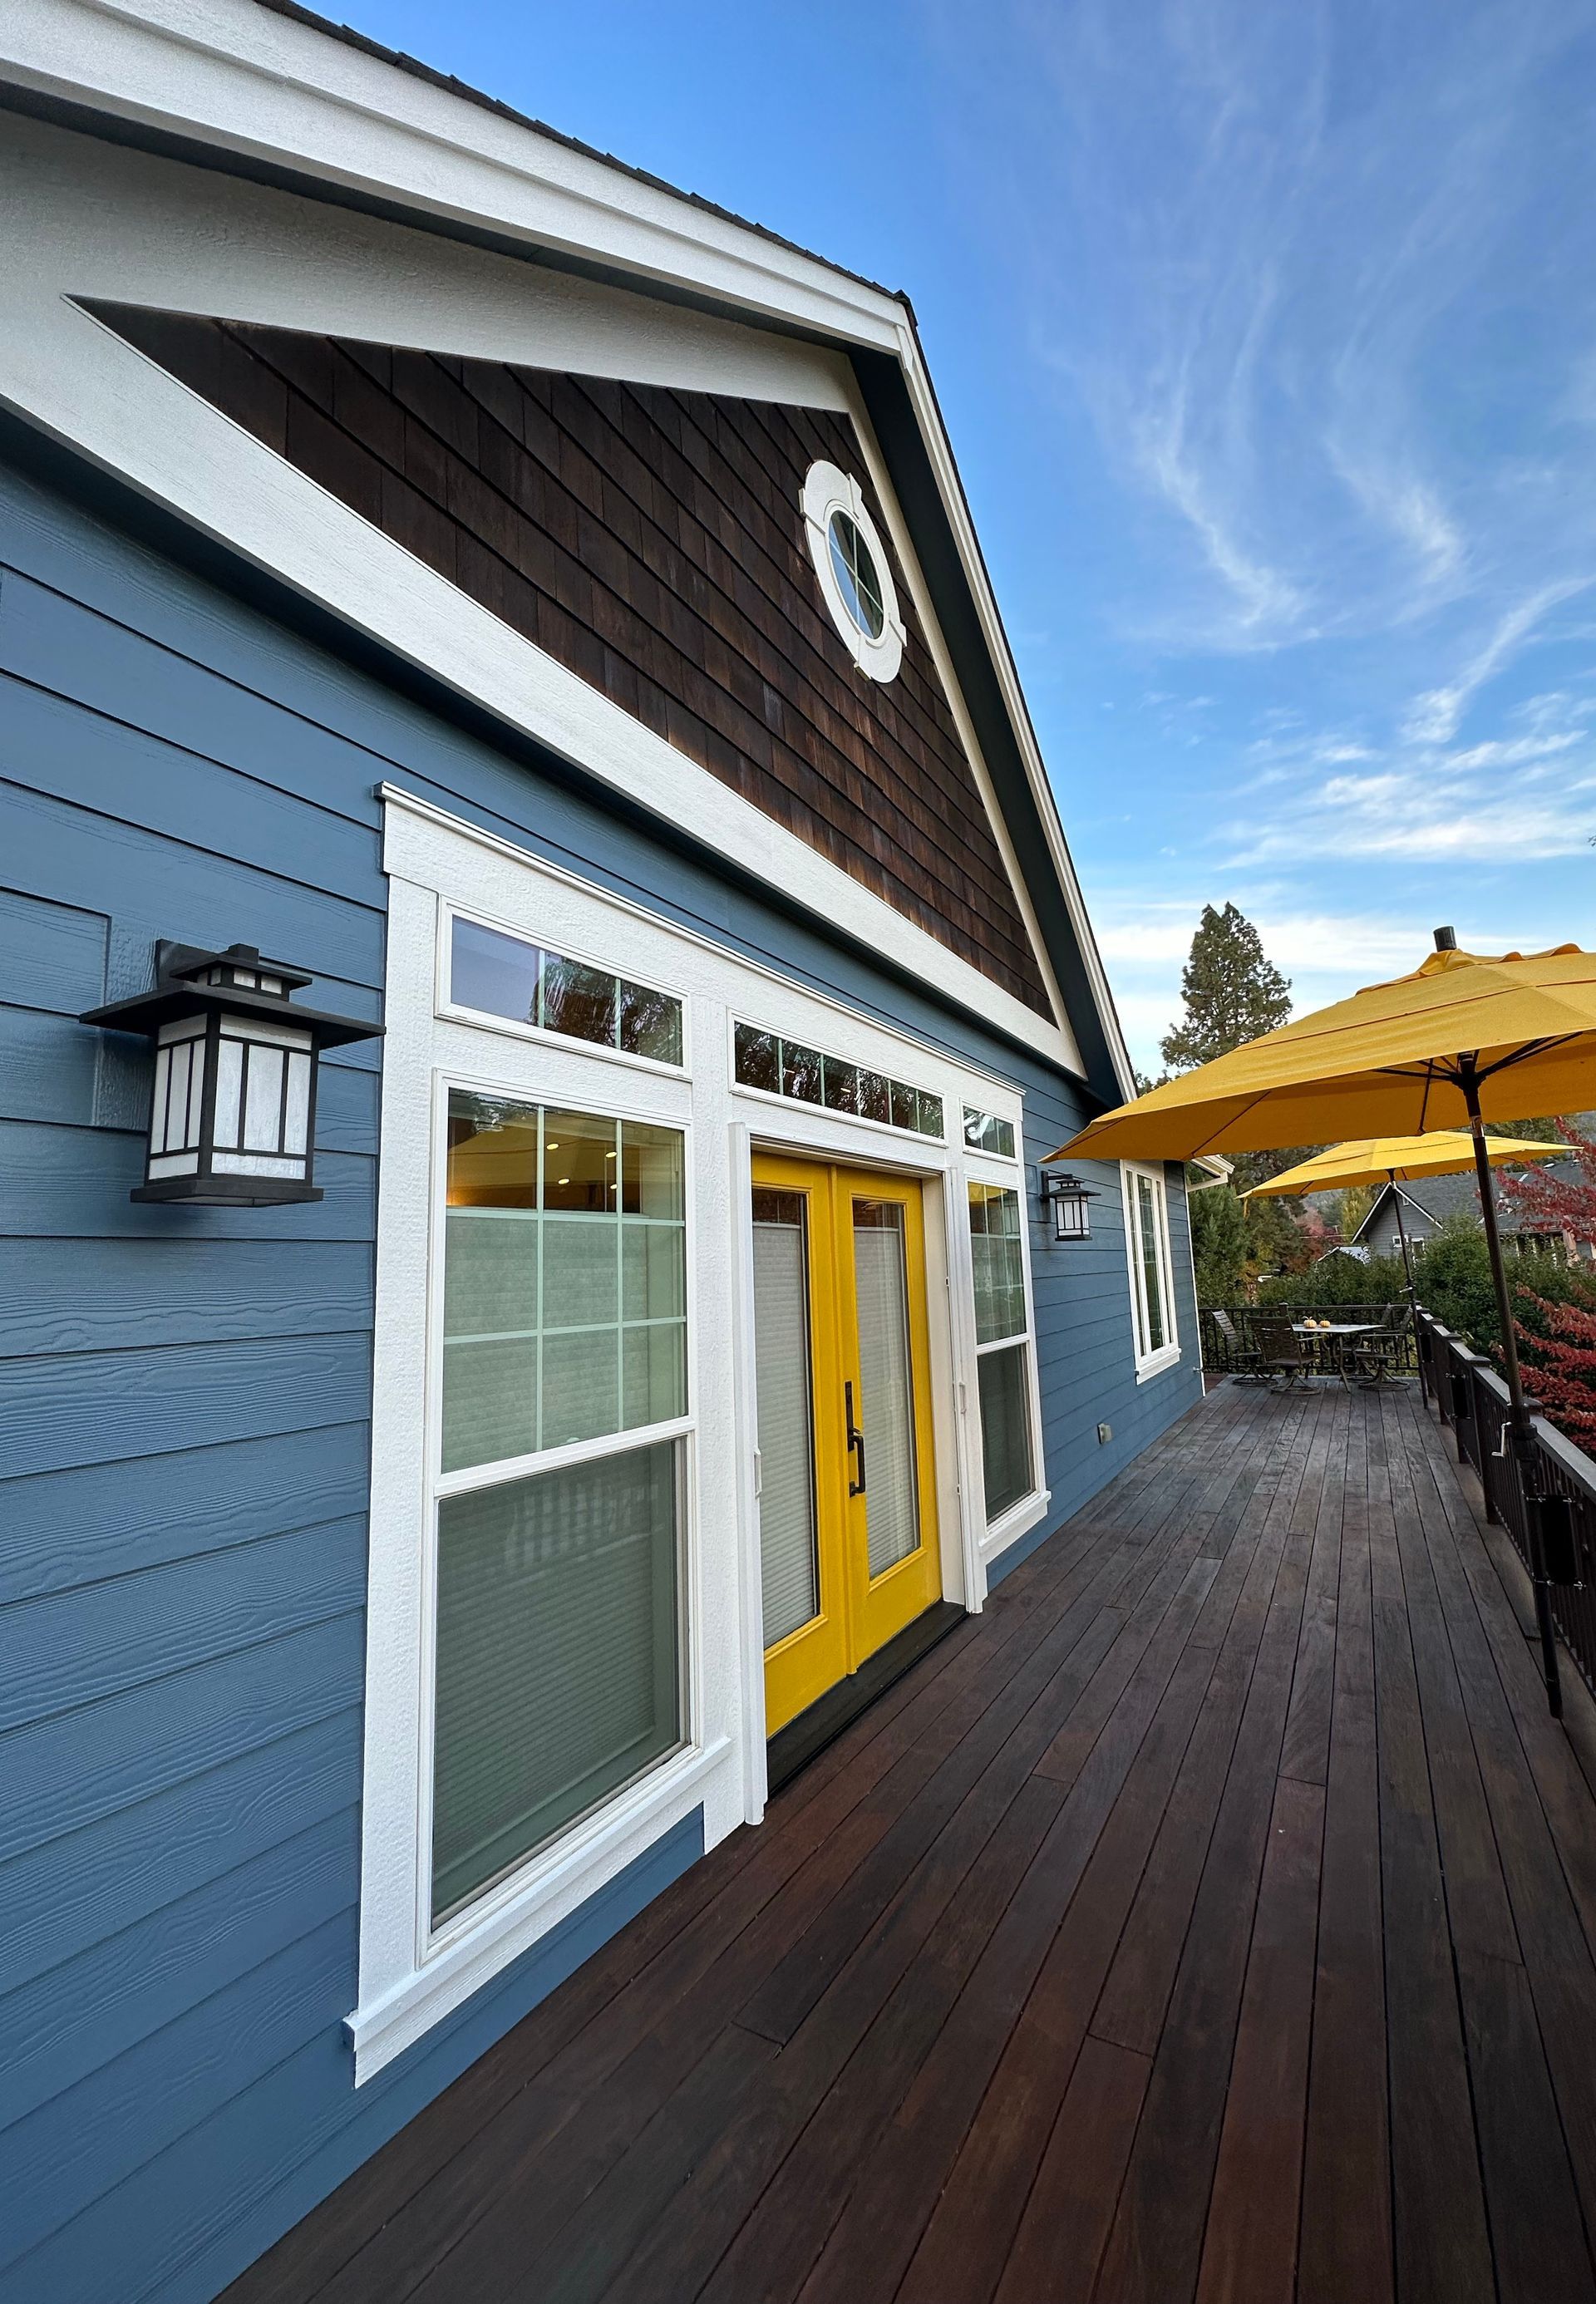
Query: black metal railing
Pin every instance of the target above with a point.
(1230, 1334)
(1471, 1400)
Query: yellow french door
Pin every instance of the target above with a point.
(848, 1487)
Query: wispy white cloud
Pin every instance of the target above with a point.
(1435, 717)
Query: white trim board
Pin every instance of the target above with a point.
(243, 80)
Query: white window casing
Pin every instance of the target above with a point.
(1154, 1338)
(412, 1974)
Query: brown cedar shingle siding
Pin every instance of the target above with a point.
(653, 542)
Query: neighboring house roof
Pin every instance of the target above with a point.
(265, 90)
(1436, 1197)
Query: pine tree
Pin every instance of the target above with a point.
(1232, 993)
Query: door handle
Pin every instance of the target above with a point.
(855, 1442)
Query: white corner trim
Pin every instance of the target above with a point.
(578, 1865)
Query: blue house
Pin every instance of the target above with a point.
(455, 1458)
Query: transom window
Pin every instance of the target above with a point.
(1003, 1347)
(985, 1132)
(765, 1061)
(565, 1301)
(501, 974)
(1153, 1291)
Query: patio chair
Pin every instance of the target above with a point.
(1282, 1357)
(1244, 1358)
(1378, 1359)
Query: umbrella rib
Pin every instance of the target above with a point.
(1529, 1048)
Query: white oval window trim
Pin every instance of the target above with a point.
(828, 491)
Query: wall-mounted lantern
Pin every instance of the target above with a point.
(233, 1116)
(1068, 1200)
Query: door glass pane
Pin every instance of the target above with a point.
(782, 1385)
(556, 1676)
(886, 1385)
(564, 1279)
(1005, 1429)
(1151, 1266)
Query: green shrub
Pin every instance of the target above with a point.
(1337, 1280)
(1452, 1272)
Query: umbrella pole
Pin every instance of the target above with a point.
(1521, 1425)
(1408, 1262)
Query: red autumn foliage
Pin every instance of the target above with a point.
(1557, 1336)
(1558, 1203)
(1560, 1363)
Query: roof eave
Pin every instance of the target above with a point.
(269, 87)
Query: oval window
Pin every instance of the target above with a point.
(856, 576)
(854, 572)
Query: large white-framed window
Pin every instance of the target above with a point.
(559, 1512)
(1151, 1271)
(1005, 1352)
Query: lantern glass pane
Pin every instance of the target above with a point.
(263, 1098)
(230, 1084)
(296, 1118)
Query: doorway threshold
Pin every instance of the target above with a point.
(804, 1738)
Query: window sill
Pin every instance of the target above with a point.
(1156, 1365)
(563, 1877)
(1018, 1520)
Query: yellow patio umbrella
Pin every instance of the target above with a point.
(1464, 1038)
(1397, 1160)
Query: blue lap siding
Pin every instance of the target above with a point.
(183, 1404)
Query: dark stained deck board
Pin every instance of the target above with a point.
(1212, 1919)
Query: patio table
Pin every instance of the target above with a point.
(1333, 1337)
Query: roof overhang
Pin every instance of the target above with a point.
(262, 87)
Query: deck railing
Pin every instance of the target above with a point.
(1472, 1400)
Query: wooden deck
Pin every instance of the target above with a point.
(1212, 1918)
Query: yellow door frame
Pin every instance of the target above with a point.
(857, 1613)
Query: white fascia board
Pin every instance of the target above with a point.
(95, 219)
(243, 80)
(83, 384)
(952, 492)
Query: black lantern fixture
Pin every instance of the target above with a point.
(233, 1115)
(1069, 1201)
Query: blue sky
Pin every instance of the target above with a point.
(1267, 339)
